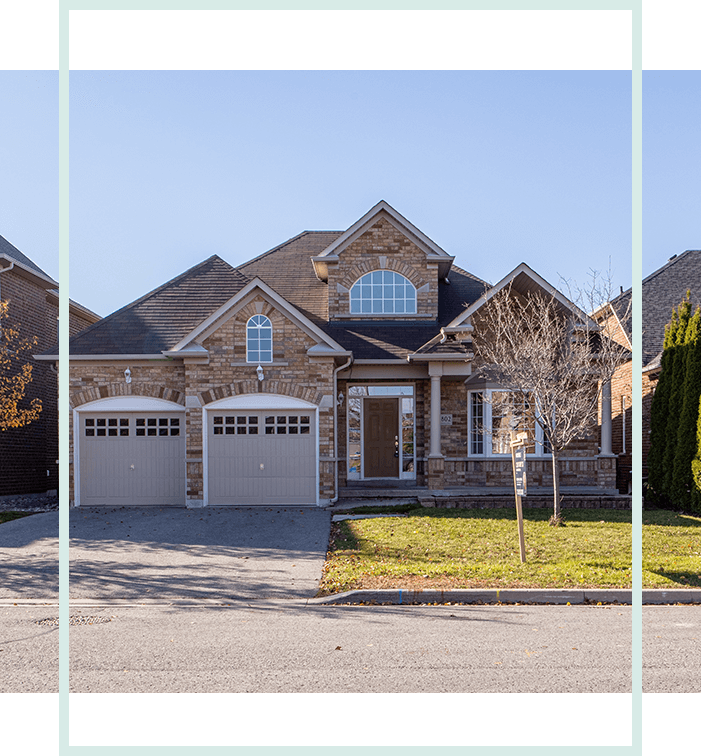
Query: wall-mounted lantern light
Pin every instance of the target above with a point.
(259, 373)
(127, 375)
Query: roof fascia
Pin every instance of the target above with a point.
(397, 220)
(160, 357)
(26, 272)
(238, 300)
(521, 268)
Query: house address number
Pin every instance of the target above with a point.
(446, 419)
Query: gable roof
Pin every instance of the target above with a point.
(620, 309)
(524, 280)
(383, 210)
(160, 319)
(661, 292)
(240, 299)
(287, 269)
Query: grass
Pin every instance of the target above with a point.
(479, 549)
(7, 516)
(671, 549)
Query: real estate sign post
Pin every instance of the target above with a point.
(518, 458)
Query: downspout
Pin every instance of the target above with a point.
(335, 426)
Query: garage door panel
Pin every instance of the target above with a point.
(267, 460)
(132, 458)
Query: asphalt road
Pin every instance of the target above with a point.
(672, 649)
(287, 646)
(28, 651)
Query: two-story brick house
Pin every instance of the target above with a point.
(334, 358)
(29, 455)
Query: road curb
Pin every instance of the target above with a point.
(672, 596)
(480, 596)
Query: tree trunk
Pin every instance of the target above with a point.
(556, 486)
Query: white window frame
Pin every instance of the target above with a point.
(258, 330)
(487, 433)
(371, 312)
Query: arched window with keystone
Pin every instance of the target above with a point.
(259, 340)
(382, 292)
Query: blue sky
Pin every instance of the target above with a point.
(168, 168)
(29, 165)
(671, 165)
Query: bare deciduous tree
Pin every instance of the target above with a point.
(553, 355)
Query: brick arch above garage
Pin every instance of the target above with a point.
(123, 389)
(251, 387)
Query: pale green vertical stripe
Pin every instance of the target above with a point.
(63, 408)
(637, 240)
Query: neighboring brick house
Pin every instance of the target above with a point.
(662, 291)
(28, 455)
(226, 385)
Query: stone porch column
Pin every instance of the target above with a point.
(436, 461)
(606, 420)
(606, 462)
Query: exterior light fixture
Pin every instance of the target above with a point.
(127, 375)
(259, 373)
(339, 399)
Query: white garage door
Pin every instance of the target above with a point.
(132, 458)
(262, 457)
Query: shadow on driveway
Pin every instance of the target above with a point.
(29, 557)
(214, 553)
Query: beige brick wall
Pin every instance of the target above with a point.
(383, 240)
(292, 374)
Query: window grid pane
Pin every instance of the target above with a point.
(259, 340)
(384, 292)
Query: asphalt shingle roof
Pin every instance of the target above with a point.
(11, 251)
(163, 317)
(662, 291)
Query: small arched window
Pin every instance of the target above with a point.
(382, 291)
(259, 340)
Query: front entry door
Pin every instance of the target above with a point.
(381, 438)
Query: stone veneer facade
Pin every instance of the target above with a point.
(194, 382)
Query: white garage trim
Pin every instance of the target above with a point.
(254, 402)
(112, 404)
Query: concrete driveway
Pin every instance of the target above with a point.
(212, 553)
(29, 557)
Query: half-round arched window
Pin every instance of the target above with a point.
(382, 291)
(259, 339)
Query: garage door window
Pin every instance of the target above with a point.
(239, 425)
(157, 426)
(107, 426)
(292, 425)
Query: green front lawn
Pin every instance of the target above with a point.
(459, 548)
(671, 550)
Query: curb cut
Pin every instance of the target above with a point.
(480, 596)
